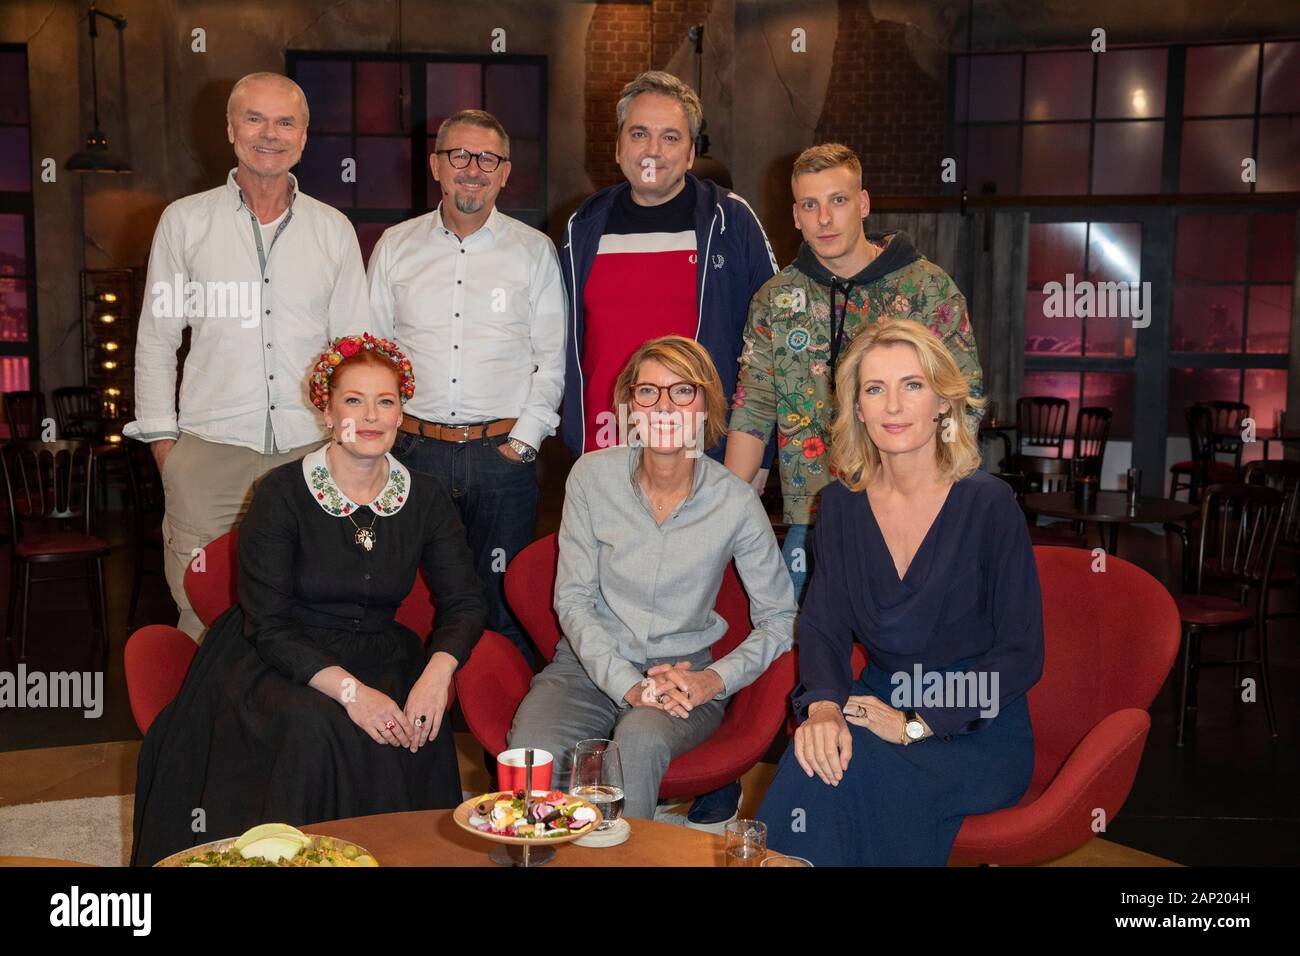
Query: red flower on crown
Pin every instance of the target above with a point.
(349, 345)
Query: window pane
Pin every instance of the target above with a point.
(368, 234)
(1221, 79)
(1265, 391)
(1212, 155)
(1050, 335)
(514, 96)
(383, 172)
(1207, 318)
(1268, 319)
(320, 172)
(994, 158)
(449, 88)
(1058, 86)
(1114, 256)
(15, 160)
(379, 109)
(1131, 83)
(13, 310)
(1280, 92)
(1187, 386)
(523, 190)
(1273, 251)
(1127, 157)
(13, 246)
(15, 374)
(1056, 160)
(13, 80)
(1279, 147)
(1113, 390)
(1210, 247)
(328, 85)
(995, 87)
(1115, 251)
(434, 193)
(1055, 250)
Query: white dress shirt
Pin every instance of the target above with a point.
(482, 321)
(256, 332)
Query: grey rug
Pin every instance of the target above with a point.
(88, 830)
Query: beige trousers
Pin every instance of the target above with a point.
(208, 487)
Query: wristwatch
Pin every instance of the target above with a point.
(913, 729)
(526, 452)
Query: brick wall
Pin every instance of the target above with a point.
(672, 18)
(617, 49)
(883, 106)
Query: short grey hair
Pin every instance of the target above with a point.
(480, 118)
(657, 81)
(280, 78)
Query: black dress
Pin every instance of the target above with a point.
(247, 740)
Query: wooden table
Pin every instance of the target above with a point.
(1267, 435)
(1109, 510)
(431, 838)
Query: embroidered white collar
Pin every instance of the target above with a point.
(331, 498)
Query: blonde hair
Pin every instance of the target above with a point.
(689, 359)
(854, 456)
(816, 159)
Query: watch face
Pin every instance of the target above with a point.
(915, 730)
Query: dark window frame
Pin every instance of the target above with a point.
(22, 204)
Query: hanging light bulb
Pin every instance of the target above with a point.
(108, 318)
(110, 365)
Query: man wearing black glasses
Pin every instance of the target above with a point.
(475, 299)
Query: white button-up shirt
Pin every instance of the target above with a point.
(256, 331)
(482, 321)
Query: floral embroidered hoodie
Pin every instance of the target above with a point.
(790, 347)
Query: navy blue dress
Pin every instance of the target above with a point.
(968, 604)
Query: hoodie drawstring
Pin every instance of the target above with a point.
(837, 321)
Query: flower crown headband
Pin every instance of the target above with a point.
(347, 346)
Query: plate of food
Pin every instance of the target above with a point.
(552, 817)
(274, 844)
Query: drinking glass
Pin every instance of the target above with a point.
(746, 842)
(597, 777)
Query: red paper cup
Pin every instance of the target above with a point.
(510, 769)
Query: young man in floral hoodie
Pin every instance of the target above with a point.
(803, 318)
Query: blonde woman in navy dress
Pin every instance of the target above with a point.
(926, 560)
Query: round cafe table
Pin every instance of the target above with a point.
(432, 838)
(1109, 510)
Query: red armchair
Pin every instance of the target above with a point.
(495, 679)
(157, 657)
(1110, 639)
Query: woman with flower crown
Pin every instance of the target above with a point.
(308, 701)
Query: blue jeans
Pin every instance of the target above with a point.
(497, 500)
(797, 552)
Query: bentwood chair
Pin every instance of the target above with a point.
(50, 487)
(1041, 423)
(25, 413)
(1204, 467)
(1240, 525)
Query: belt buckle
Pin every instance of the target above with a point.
(464, 431)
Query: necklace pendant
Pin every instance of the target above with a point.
(366, 538)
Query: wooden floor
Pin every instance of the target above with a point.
(108, 769)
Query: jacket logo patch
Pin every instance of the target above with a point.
(718, 262)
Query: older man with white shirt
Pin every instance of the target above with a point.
(476, 300)
(263, 276)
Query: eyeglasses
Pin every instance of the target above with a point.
(459, 159)
(647, 395)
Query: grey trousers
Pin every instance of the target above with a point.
(563, 706)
